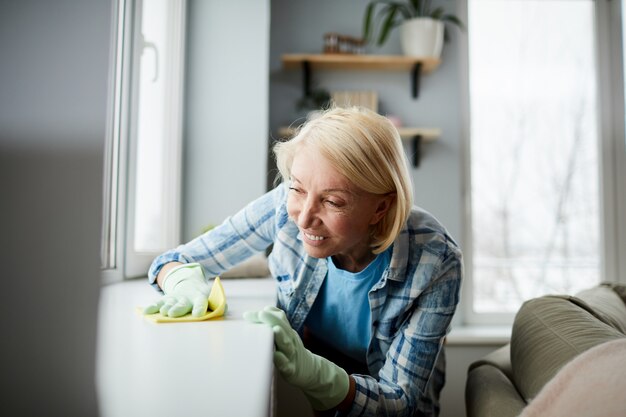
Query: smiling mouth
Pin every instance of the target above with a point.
(313, 237)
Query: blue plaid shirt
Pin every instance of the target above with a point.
(411, 305)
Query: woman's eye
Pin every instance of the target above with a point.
(297, 190)
(332, 203)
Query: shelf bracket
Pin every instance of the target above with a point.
(417, 150)
(415, 79)
(306, 78)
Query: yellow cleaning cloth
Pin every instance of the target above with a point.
(217, 307)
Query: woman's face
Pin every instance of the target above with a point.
(333, 215)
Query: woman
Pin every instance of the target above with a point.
(368, 281)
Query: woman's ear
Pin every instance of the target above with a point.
(384, 204)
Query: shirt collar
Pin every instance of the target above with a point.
(399, 256)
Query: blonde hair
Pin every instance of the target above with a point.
(365, 148)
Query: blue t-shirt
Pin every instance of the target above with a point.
(341, 314)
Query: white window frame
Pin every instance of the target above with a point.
(119, 259)
(610, 71)
(610, 23)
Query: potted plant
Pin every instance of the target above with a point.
(318, 99)
(422, 29)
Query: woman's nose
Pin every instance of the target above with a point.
(307, 215)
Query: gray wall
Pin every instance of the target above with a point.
(226, 116)
(53, 80)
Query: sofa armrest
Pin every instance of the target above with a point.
(490, 393)
(500, 358)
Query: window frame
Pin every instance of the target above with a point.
(612, 154)
(137, 263)
(119, 259)
(112, 259)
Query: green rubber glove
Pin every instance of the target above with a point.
(185, 290)
(324, 383)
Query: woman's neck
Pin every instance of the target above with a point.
(352, 263)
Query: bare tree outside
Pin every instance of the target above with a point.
(534, 150)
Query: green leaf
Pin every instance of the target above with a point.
(454, 20)
(388, 23)
(437, 13)
(371, 18)
(406, 11)
(367, 22)
(415, 7)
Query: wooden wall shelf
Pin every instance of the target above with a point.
(309, 62)
(356, 62)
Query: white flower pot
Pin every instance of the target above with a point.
(422, 36)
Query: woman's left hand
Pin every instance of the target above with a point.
(325, 384)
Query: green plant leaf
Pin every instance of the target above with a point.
(367, 22)
(388, 22)
(406, 11)
(415, 7)
(454, 20)
(437, 13)
(424, 9)
(371, 18)
(318, 99)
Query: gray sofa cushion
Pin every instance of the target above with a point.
(547, 333)
(607, 305)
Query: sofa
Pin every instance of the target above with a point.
(566, 357)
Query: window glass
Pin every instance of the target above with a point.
(534, 150)
(144, 138)
(152, 135)
(155, 165)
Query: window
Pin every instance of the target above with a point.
(142, 189)
(536, 184)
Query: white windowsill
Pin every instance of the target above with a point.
(479, 335)
(149, 369)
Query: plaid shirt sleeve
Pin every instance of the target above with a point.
(240, 236)
(402, 386)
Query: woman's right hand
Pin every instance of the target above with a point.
(186, 290)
